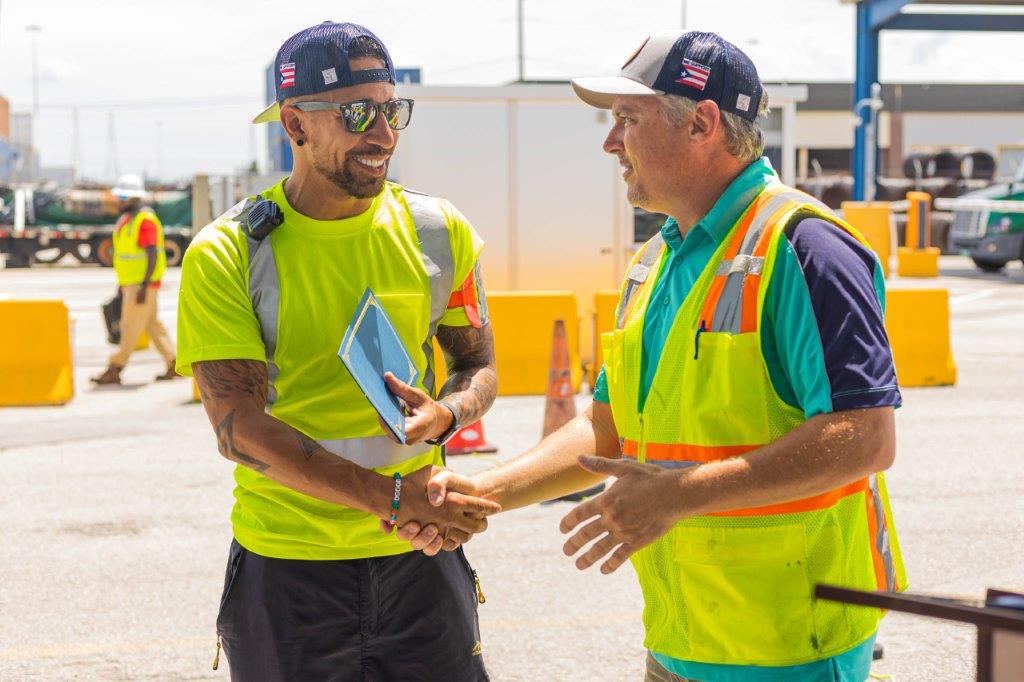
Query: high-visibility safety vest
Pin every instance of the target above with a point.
(736, 587)
(129, 258)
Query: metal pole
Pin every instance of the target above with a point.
(159, 150)
(519, 37)
(34, 29)
(866, 74)
(683, 14)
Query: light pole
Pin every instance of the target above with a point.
(34, 29)
(519, 41)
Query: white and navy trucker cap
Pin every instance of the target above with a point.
(315, 60)
(697, 65)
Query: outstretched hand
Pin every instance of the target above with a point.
(425, 419)
(444, 486)
(434, 515)
(640, 507)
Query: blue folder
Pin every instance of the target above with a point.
(371, 347)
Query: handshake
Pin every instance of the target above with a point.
(440, 510)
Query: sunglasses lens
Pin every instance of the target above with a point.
(398, 112)
(359, 116)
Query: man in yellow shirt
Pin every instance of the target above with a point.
(314, 589)
(139, 263)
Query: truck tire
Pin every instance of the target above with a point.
(103, 251)
(989, 265)
(174, 251)
(19, 261)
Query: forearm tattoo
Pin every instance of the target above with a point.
(223, 379)
(472, 378)
(225, 431)
(309, 446)
(223, 385)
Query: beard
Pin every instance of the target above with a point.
(350, 179)
(636, 195)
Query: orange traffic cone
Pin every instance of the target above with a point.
(560, 407)
(468, 440)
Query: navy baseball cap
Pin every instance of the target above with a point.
(316, 60)
(697, 65)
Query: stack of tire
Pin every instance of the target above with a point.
(942, 174)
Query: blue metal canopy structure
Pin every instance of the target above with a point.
(875, 16)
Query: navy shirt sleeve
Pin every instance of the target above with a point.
(846, 294)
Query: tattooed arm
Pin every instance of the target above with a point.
(470, 389)
(472, 376)
(234, 394)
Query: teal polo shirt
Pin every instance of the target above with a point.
(824, 343)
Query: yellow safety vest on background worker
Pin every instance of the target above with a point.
(737, 587)
(129, 258)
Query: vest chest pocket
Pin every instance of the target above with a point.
(746, 592)
(721, 379)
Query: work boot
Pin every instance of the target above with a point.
(111, 375)
(169, 374)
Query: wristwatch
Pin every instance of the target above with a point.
(456, 425)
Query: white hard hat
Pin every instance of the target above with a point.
(129, 186)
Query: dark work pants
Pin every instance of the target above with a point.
(405, 617)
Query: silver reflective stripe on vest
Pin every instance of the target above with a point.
(436, 251)
(638, 274)
(747, 265)
(374, 452)
(882, 539)
(264, 292)
(729, 311)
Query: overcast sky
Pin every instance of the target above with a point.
(183, 78)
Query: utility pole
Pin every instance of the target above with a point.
(159, 151)
(34, 29)
(519, 40)
(76, 149)
(111, 169)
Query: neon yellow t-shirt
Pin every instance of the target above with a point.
(323, 269)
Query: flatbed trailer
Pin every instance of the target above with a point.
(20, 248)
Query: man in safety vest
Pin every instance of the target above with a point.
(139, 263)
(318, 586)
(746, 401)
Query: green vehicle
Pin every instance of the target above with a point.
(988, 225)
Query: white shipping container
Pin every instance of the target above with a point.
(525, 164)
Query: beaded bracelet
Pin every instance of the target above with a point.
(397, 499)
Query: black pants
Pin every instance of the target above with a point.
(405, 617)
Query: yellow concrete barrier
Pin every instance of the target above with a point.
(196, 395)
(918, 324)
(36, 366)
(143, 342)
(917, 262)
(523, 323)
(918, 258)
(873, 219)
(604, 321)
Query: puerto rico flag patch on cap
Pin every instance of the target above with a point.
(693, 74)
(288, 75)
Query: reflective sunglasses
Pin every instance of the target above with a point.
(360, 115)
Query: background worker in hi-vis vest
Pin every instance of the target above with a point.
(318, 586)
(746, 401)
(139, 264)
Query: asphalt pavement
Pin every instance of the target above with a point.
(115, 508)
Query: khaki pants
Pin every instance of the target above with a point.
(134, 319)
(656, 673)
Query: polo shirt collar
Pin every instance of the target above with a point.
(728, 208)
